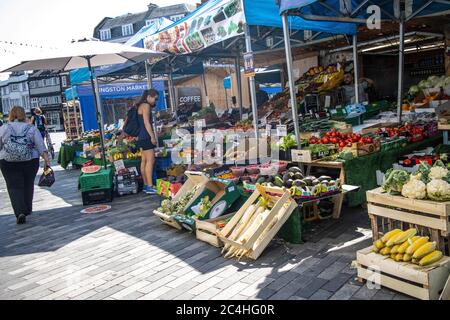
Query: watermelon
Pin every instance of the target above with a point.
(91, 169)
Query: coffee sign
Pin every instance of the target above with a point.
(189, 95)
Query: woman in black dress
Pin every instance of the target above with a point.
(147, 138)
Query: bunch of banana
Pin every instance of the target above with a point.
(118, 156)
(407, 247)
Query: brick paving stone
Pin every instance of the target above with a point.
(336, 282)
(332, 271)
(321, 294)
(384, 294)
(208, 294)
(364, 293)
(345, 293)
(311, 288)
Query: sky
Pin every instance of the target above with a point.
(52, 23)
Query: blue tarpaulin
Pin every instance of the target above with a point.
(332, 8)
(111, 91)
(265, 13)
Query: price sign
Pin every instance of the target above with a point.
(282, 130)
(245, 116)
(200, 123)
(268, 130)
(119, 165)
(327, 102)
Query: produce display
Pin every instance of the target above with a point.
(340, 140)
(429, 182)
(171, 207)
(299, 185)
(406, 246)
(430, 89)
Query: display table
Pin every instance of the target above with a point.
(67, 154)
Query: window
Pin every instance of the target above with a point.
(105, 34)
(34, 102)
(26, 102)
(32, 84)
(15, 87)
(149, 22)
(24, 86)
(127, 30)
(53, 118)
(177, 17)
(64, 81)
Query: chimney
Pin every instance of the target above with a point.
(152, 6)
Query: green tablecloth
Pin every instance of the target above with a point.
(362, 171)
(67, 154)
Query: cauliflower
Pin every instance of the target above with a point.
(437, 173)
(414, 189)
(416, 176)
(438, 190)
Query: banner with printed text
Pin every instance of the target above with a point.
(216, 21)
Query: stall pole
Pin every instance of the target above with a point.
(171, 92)
(289, 64)
(205, 88)
(148, 71)
(239, 83)
(75, 112)
(355, 67)
(226, 99)
(248, 45)
(97, 109)
(401, 66)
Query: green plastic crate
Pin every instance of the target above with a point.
(102, 179)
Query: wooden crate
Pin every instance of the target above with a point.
(424, 283)
(207, 230)
(431, 218)
(194, 179)
(307, 156)
(281, 202)
(359, 149)
(374, 128)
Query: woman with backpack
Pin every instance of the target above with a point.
(39, 121)
(21, 145)
(146, 138)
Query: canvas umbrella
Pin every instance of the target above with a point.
(90, 54)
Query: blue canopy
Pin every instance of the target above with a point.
(337, 10)
(111, 91)
(265, 13)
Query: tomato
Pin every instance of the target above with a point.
(349, 144)
(355, 139)
(407, 162)
(325, 140)
(328, 134)
(369, 140)
(334, 134)
(342, 144)
(334, 140)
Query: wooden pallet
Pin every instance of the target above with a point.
(284, 202)
(431, 218)
(207, 230)
(426, 283)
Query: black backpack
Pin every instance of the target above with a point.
(132, 126)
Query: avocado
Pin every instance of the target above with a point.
(331, 182)
(269, 179)
(315, 182)
(286, 177)
(294, 169)
(325, 182)
(308, 181)
(289, 183)
(298, 176)
(278, 182)
(321, 178)
(261, 180)
(300, 183)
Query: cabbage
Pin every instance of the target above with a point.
(447, 81)
(424, 84)
(433, 80)
(414, 90)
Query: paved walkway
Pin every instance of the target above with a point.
(127, 253)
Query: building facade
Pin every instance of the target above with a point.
(46, 92)
(122, 28)
(14, 92)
